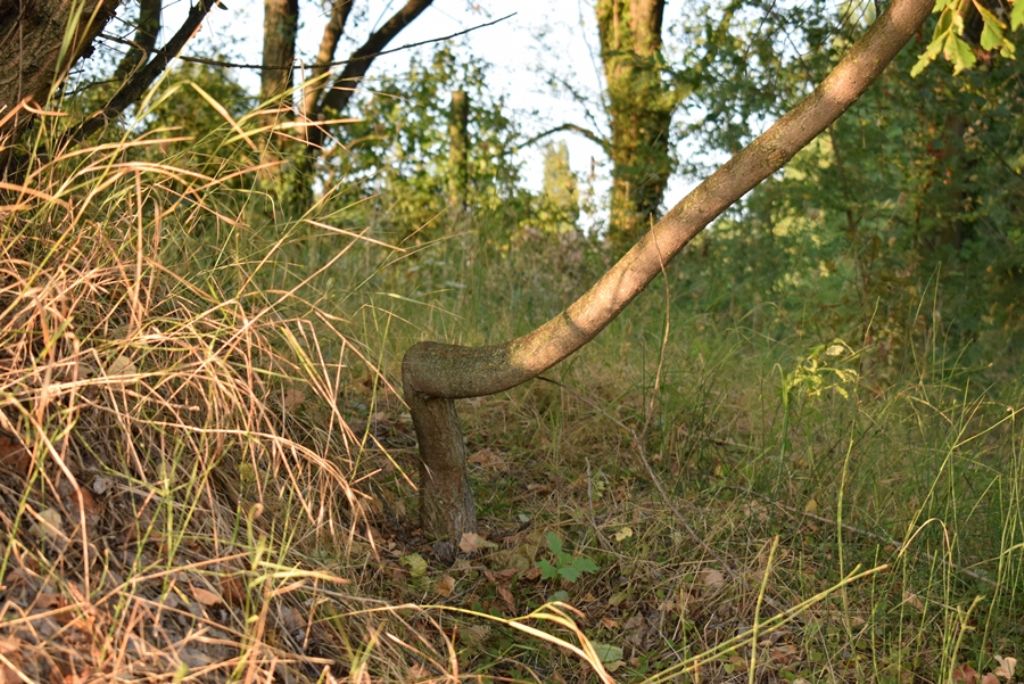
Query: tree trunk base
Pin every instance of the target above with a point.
(446, 500)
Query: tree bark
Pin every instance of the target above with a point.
(280, 25)
(31, 36)
(640, 107)
(435, 372)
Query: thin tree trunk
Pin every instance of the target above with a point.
(435, 374)
(146, 30)
(317, 82)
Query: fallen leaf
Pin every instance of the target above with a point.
(1007, 667)
(91, 508)
(965, 674)
(50, 524)
(14, 457)
(488, 458)
(10, 644)
(292, 399)
(811, 507)
(607, 653)
(989, 678)
(835, 350)
(445, 586)
(623, 534)
(122, 365)
(712, 579)
(913, 599)
(471, 542)
(101, 485)
(233, 590)
(506, 597)
(784, 654)
(206, 597)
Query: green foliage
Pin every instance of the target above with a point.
(398, 153)
(563, 564)
(953, 39)
(560, 198)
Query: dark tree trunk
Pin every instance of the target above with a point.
(31, 35)
(458, 150)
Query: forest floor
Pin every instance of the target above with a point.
(208, 475)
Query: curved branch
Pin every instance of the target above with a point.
(575, 128)
(435, 374)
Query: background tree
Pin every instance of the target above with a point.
(561, 189)
(640, 106)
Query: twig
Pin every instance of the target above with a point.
(575, 128)
(343, 62)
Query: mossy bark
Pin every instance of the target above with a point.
(640, 107)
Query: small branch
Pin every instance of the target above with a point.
(143, 78)
(353, 58)
(575, 128)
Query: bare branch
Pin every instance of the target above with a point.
(315, 84)
(575, 128)
(143, 78)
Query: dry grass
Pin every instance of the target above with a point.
(190, 452)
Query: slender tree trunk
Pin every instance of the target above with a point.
(640, 106)
(280, 27)
(316, 84)
(435, 374)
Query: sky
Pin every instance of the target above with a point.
(543, 38)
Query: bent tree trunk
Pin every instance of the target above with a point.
(434, 375)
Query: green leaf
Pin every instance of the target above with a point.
(607, 653)
(569, 573)
(554, 543)
(585, 564)
(927, 57)
(547, 570)
(959, 53)
(1017, 15)
(991, 36)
